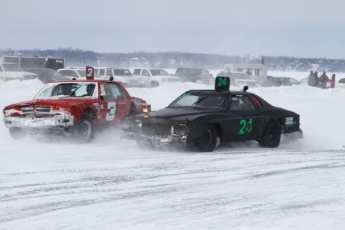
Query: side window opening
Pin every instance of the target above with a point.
(241, 102)
(117, 91)
(109, 72)
(136, 72)
(145, 73)
(105, 92)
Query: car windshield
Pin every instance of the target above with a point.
(82, 72)
(11, 67)
(199, 101)
(68, 90)
(158, 72)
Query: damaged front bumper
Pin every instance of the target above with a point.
(157, 134)
(56, 121)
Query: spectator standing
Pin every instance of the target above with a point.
(317, 80)
(311, 79)
(332, 81)
(323, 80)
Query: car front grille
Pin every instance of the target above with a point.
(31, 108)
(43, 109)
(156, 129)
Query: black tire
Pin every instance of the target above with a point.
(16, 133)
(271, 136)
(85, 132)
(208, 140)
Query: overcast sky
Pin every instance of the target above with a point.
(298, 28)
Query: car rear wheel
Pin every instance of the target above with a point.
(208, 140)
(85, 130)
(16, 133)
(271, 135)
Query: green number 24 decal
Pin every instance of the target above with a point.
(222, 81)
(246, 127)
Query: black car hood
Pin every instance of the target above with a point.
(182, 112)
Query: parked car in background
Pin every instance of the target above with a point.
(280, 81)
(197, 75)
(47, 75)
(238, 79)
(340, 84)
(304, 81)
(122, 75)
(12, 71)
(154, 77)
(79, 74)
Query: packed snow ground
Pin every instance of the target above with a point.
(112, 184)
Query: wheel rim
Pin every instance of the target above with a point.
(207, 137)
(272, 134)
(86, 130)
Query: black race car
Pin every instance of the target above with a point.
(203, 119)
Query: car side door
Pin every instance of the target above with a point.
(249, 119)
(122, 101)
(107, 104)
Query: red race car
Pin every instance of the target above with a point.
(73, 107)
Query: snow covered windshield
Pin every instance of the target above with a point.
(200, 101)
(68, 89)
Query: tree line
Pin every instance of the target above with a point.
(79, 57)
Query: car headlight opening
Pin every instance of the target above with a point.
(179, 129)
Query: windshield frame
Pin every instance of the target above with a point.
(53, 85)
(201, 97)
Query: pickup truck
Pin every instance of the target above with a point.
(154, 77)
(12, 71)
(201, 76)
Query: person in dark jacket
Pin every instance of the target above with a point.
(311, 79)
(317, 80)
(323, 80)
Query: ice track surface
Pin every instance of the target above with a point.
(113, 184)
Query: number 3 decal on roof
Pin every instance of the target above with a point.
(111, 111)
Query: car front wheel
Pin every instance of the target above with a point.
(208, 140)
(16, 133)
(85, 130)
